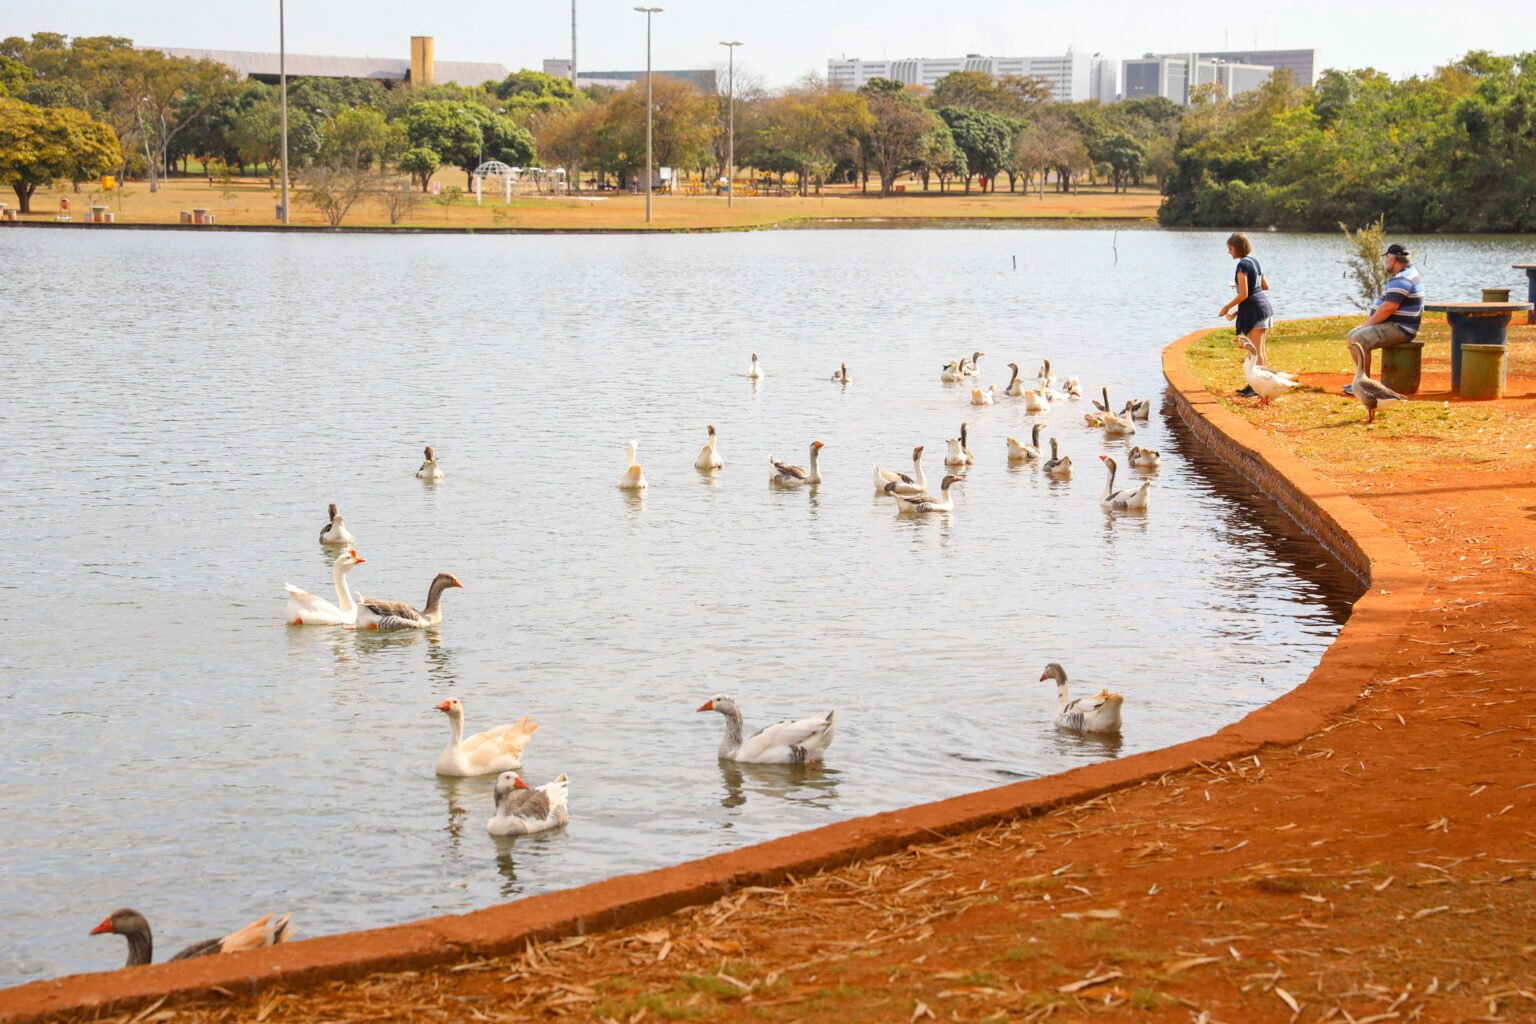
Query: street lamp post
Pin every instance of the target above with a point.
(282, 79)
(648, 11)
(730, 124)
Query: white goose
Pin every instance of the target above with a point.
(801, 742)
(1141, 409)
(485, 753)
(980, 397)
(786, 475)
(1025, 452)
(909, 486)
(755, 371)
(923, 504)
(952, 373)
(1037, 401)
(885, 477)
(305, 609)
(429, 470)
(959, 453)
(1122, 501)
(1099, 713)
(1015, 388)
(1266, 383)
(709, 458)
(335, 532)
(1059, 467)
(840, 375)
(1143, 458)
(969, 367)
(1073, 387)
(523, 811)
(1119, 426)
(633, 479)
(1045, 376)
(375, 614)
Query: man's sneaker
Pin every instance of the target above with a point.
(1349, 389)
(1248, 392)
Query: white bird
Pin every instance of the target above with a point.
(375, 614)
(1099, 713)
(1045, 376)
(709, 457)
(1367, 392)
(1119, 426)
(922, 504)
(1143, 458)
(801, 742)
(305, 609)
(952, 373)
(633, 479)
(755, 371)
(1025, 452)
(1058, 467)
(1037, 401)
(959, 453)
(1015, 387)
(1073, 387)
(786, 475)
(1122, 501)
(335, 531)
(980, 397)
(1266, 383)
(1141, 409)
(524, 811)
(968, 366)
(429, 470)
(840, 375)
(916, 484)
(485, 753)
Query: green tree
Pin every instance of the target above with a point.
(1011, 96)
(39, 146)
(1124, 156)
(450, 129)
(357, 137)
(504, 140)
(420, 162)
(534, 85)
(683, 126)
(984, 138)
(895, 138)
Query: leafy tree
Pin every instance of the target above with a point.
(939, 156)
(420, 162)
(1011, 96)
(450, 129)
(358, 137)
(683, 126)
(534, 85)
(335, 191)
(40, 145)
(1124, 156)
(896, 135)
(504, 140)
(570, 140)
(984, 138)
(15, 76)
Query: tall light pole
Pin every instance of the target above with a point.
(573, 45)
(282, 117)
(730, 124)
(648, 11)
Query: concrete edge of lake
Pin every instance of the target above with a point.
(1368, 546)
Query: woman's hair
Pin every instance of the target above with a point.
(1240, 244)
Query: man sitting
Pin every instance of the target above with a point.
(1396, 314)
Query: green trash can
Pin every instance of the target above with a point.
(1402, 366)
(1482, 371)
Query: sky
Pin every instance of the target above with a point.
(785, 39)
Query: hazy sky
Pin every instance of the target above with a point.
(786, 38)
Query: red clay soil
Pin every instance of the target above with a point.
(1382, 869)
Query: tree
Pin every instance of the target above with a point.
(534, 85)
(1124, 156)
(38, 146)
(1011, 96)
(896, 135)
(504, 140)
(420, 162)
(398, 198)
(984, 138)
(570, 140)
(1367, 270)
(357, 137)
(335, 191)
(450, 129)
(683, 125)
(169, 94)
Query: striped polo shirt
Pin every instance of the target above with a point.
(1407, 290)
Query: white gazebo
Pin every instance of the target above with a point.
(497, 169)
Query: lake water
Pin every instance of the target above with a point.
(178, 409)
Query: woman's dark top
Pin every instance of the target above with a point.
(1256, 307)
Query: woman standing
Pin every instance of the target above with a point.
(1250, 306)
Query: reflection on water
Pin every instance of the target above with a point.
(180, 440)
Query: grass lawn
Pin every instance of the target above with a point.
(1435, 430)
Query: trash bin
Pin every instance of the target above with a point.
(1402, 366)
(1482, 371)
(1495, 294)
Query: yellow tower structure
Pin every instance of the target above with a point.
(423, 67)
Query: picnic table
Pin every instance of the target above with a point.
(1530, 290)
(1476, 323)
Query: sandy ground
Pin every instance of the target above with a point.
(1382, 870)
(251, 201)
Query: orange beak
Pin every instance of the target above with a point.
(518, 783)
(708, 705)
(103, 928)
(359, 559)
(1043, 678)
(443, 706)
(1103, 458)
(457, 583)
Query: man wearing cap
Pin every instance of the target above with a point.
(1395, 316)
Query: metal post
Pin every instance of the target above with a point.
(730, 123)
(282, 79)
(573, 44)
(648, 11)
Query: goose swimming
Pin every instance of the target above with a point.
(709, 459)
(802, 742)
(375, 614)
(1058, 467)
(525, 811)
(840, 375)
(922, 504)
(268, 930)
(787, 475)
(1026, 452)
(755, 371)
(429, 470)
(335, 531)
(633, 478)
(305, 609)
(1099, 713)
(909, 486)
(1122, 501)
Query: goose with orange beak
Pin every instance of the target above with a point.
(305, 609)
(485, 753)
(802, 742)
(522, 810)
(132, 925)
(375, 614)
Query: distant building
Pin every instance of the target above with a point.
(1105, 84)
(1173, 77)
(421, 69)
(1302, 64)
(1071, 76)
(702, 78)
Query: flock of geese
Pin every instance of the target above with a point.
(521, 809)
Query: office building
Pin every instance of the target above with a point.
(1173, 77)
(703, 79)
(1071, 75)
(1302, 64)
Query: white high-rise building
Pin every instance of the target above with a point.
(1173, 77)
(1071, 76)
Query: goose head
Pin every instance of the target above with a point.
(452, 708)
(816, 446)
(349, 559)
(428, 453)
(1056, 672)
(1034, 437)
(1110, 462)
(965, 428)
(122, 922)
(721, 704)
(950, 481)
(975, 356)
(711, 430)
(917, 455)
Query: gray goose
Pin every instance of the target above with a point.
(1058, 466)
(1369, 393)
(335, 530)
(374, 614)
(131, 925)
(522, 810)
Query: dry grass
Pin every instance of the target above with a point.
(252, 201)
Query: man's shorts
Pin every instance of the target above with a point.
(1374, 336)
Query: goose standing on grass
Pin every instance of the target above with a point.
(840, 375)
(923, 504)
(1059, 467)
(1099, 713)
(1122, 501)
(633, 479)
(375, 614)
(709, 458)
(334, 532)
(485, 753)
(1015, 388)
(268, 930)
(1143, 458)
(429, 470)
(305, 609)
(1025, 452)
(1369, 393)
(524, 811)
(755, 371)
(1266, 383)
(802, 742)
(886, 477)
(787, 475)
